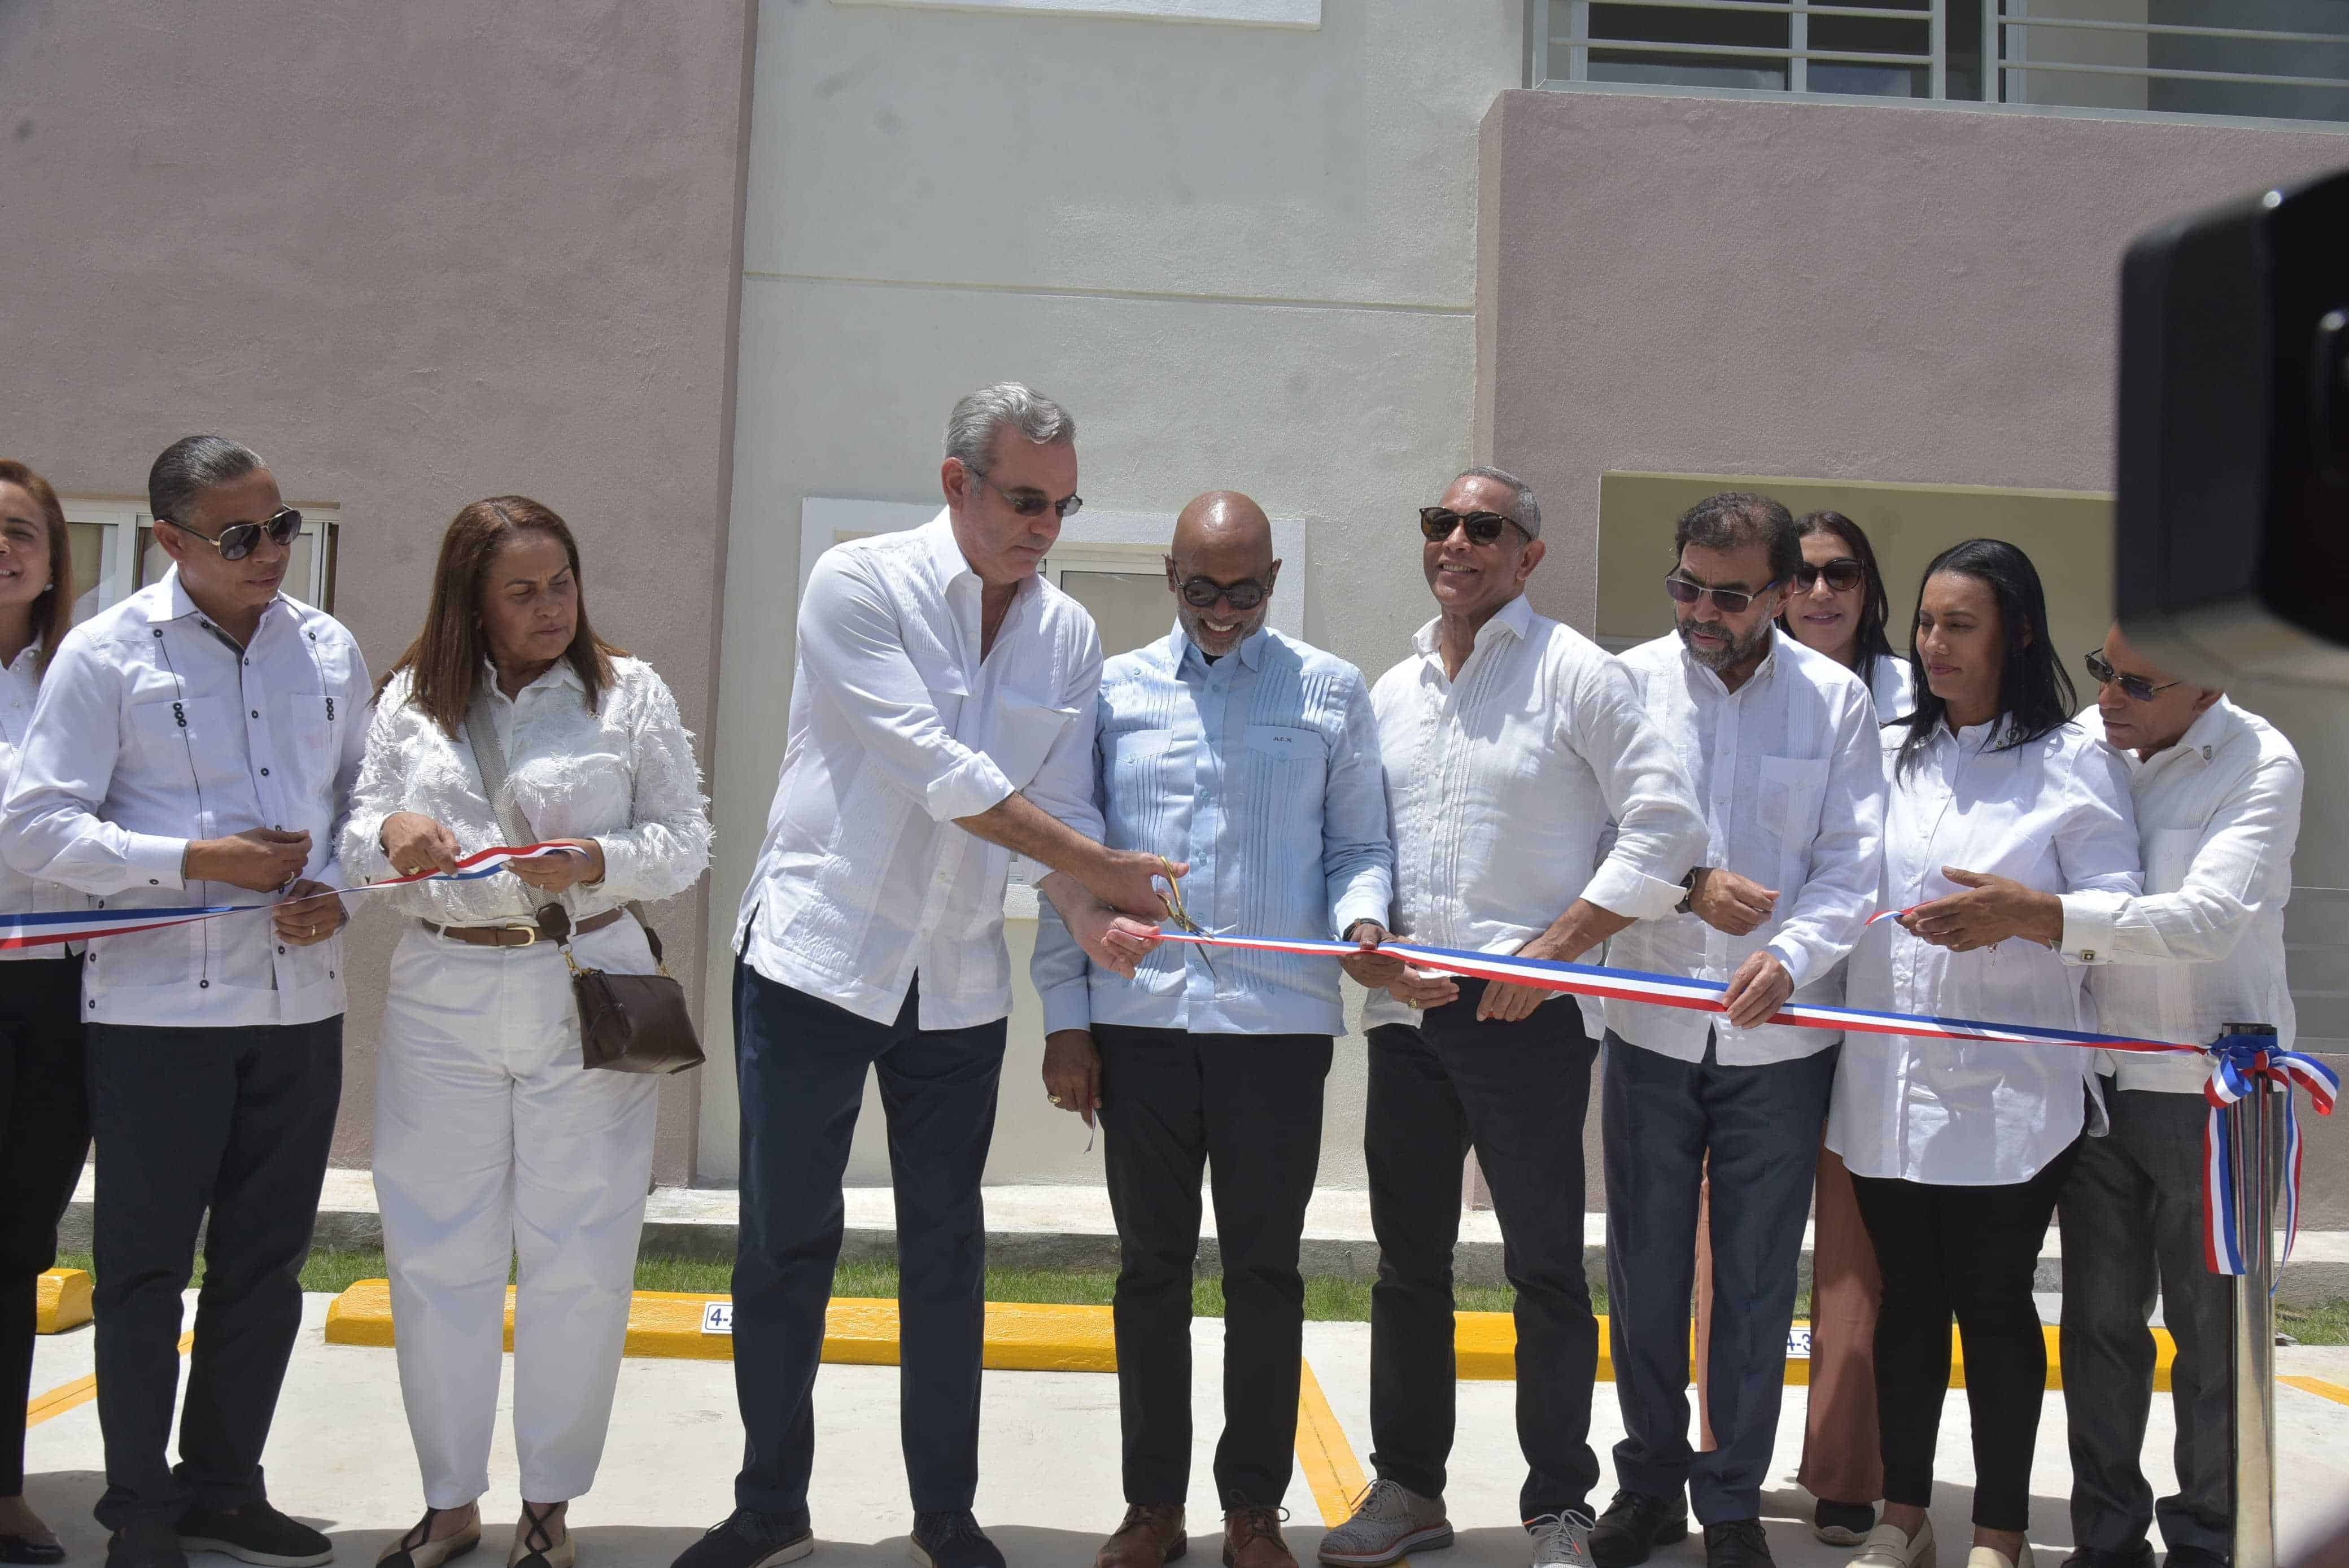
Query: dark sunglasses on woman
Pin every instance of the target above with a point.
(1438, 521)
(238, 538)
(2136, 688)
(1728, 601)
(1200, 594)
(1843, 574)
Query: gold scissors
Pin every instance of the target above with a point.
(1179, 917)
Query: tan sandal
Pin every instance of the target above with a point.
(535, 1548)
(417, 1548)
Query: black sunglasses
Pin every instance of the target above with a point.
(1201, 594)
(1032, 503)
(1728, 601)
(237, 540)
(1843, 576)
(2137, 687)
(1483, 527)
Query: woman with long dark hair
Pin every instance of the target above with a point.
(44, 1118)
(1957, 1149)
(491, 1142)
(1837, 605)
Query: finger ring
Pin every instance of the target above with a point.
(1054, 1098)
(1416, 1004)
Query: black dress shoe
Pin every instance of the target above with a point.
(1634, 1525)
(17, 1549)
(149, 1544)
(2137, 1556)
(1737, 1543)
(749, 1538)
(254, 1532)
(2189, 1557)
(951, 1538)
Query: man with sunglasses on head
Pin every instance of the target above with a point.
(2217, 791)
(942, 720)
(1255, 758)
(197, 744)
(1510, 744)
(1780, 742)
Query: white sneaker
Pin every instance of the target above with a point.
(1889, 1546)
(1561, 1540)
(1991, 1557)
(1389, 1521)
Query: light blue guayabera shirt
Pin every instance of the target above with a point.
(1261, 770)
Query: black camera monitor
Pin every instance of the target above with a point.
(2232, 527)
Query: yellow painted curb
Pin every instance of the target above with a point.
(1485, 1346)
(61, 1301)
(1020, 1337)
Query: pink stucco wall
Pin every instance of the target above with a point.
(414, 254)
(1844, 291)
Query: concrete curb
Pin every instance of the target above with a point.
(60, 1301)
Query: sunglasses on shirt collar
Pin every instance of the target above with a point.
(2136, 688)
(238, 540)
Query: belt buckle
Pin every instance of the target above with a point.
(529, 940)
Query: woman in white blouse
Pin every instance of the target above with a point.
(44, 1122)
(491, 1140)
(1837, 605)
(1957, 1150)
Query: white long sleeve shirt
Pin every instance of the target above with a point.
(621, 773)
(2218, 815)
(154, 728)
(898, 726)
(1894, 688)
(1501, 784)
(1789, 775)
(20, 688)
(2053, 814)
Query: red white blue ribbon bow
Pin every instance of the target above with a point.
(90, 924)
(2239, 1064)
(2242, 1064)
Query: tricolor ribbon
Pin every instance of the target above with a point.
(2243, 1064)
(90, 924)
(2239, 1064)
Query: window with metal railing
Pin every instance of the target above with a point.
(2272, 60)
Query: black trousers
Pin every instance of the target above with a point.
(2133, 1227)
(1250, 1107)
(44, 1133)
(1967, 1252)
(800, 1062)
(233, 1120)
(1516, 1092)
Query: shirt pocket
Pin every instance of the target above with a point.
(1024, 732)
(1793, 790)
(1288, 764)
(2169, 855)
(197, 738)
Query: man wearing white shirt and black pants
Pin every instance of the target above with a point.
(199, 738)
(2218, 794)
(942, 719)
(1509, 743)
(1781, 745)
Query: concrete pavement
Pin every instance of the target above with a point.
(340, 1458)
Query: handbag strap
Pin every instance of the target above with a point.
(490, 759)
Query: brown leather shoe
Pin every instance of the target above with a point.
(1152, 1534)
(1252, 1539)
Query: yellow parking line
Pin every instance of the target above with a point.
(2320, 1387)
(1330, 1468)
(74, 1395)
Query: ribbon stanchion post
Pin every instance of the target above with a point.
(2253, 1159)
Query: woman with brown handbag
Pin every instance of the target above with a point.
(493, 1141)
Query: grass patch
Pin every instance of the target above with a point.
(2326, 1325)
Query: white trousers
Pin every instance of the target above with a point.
(492, 1143)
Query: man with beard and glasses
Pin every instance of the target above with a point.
(1256, 759)
(1781, 745)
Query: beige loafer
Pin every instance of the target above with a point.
(1991, 1557)
(1889, 1546)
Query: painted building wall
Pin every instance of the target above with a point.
(1844, 291)
(1242, 256)
(414, 254)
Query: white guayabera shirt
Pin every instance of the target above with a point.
(898, 726)
(155, 729)
(1789, 773)
(621, 773)
(1501, 784)
(2053, 814)
(2218, 815)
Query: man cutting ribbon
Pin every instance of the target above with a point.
(204, 734)
(2217, 792)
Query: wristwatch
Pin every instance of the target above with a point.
(1348, 935)
(1688, 888)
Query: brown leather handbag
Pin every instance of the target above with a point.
(627, 1023)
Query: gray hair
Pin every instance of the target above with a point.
(1528, 509)
(980, 417)
(193, 465)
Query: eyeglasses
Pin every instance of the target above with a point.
(1843, 576)
(1031, 503)
(1201, 594)
(2136, 688)
(1483, 527)
(1728, 601)
(237, 540)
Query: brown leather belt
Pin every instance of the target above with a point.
(516, 936)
